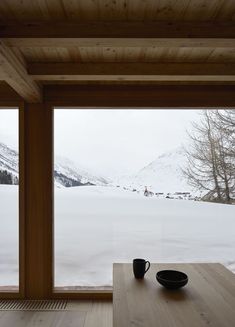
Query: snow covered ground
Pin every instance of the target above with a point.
(96, 226)
(9, 227)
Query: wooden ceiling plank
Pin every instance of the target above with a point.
(117, 9)
(119, 34)
(222, 55)
(203, 10)
(14, 72)
(227, 10)
(122, 42)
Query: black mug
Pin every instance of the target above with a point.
(139, 267)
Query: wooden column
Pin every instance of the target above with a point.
(38, 200)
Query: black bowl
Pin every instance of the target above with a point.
(172, 279)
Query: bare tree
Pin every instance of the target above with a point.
(210, 162)
(225, 122)
(224, 126)
(202, 158)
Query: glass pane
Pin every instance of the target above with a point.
(123, 190)
(9, 200)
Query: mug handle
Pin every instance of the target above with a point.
(148, 266)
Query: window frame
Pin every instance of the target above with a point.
(16, 294)
(36, 189)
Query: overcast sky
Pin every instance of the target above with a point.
(110, 142)
(117, 142)
(9, 127)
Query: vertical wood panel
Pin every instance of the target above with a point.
(38, 224)
(21, 201)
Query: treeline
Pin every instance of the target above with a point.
(211, 155)
(8, 178)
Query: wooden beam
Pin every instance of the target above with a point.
(39, 201)
(121, 42)
(132, 34)
(8, 96)
(132, 71)
(14, 72)
(124, 29)
(141, 96)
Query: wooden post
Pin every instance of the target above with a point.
(38, 200)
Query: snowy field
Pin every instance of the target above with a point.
(9, 227)
(96, 226)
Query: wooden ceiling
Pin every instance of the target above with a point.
(120, 10)
(121, 41)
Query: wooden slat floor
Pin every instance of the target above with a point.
(77, 314)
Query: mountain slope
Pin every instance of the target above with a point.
(66, 173)
(8, 164)
(162, 175)
(75, 175)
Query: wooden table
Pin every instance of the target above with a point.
(207, 300)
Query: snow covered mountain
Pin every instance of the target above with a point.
(66, 173)
(8, 165)
(162, 175)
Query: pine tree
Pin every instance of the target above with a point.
(5, 177)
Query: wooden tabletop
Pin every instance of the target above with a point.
(207, 300)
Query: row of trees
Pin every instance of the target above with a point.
(7, 178)
(211, 155)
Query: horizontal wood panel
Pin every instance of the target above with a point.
(47, 69)
(127, 54)
(122, 42)
(141, 96)
(118, 10)
(132, 71)
(124, 29)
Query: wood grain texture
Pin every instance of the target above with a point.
(77, 314)
(122, 42)
(132, 71)
(15, 74)
(126, 54)
(208, 299)
(110, 32)
(43, 319)
(39, 202)
(107, 10)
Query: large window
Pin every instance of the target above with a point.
(140, 183)
(9, 200)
